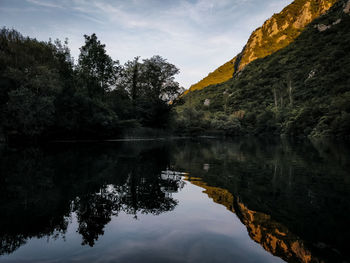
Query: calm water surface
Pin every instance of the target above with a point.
(234, 201)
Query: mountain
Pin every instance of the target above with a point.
(276, 33)
(300, 90)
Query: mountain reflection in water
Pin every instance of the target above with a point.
(293, 199)
(272, 235)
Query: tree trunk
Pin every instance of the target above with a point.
(281, 100)
(290, 91)
(275, 98)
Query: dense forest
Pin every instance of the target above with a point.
(45, 95)
(301, 90)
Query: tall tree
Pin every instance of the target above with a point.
(159, 78)
(132, 77)
(97, 69)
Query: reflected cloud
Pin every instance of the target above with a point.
(292, 200)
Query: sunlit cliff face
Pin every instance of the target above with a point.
(281, 29)
(276, 33)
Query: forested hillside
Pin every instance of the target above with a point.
(44, 94)
(276, 33)
(301, 90)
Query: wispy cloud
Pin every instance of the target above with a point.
(196, 35)
(47, 3)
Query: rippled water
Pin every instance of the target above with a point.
(230, 201)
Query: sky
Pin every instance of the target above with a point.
(195, 35)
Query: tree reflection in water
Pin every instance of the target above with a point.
(41, 191)
(293, 198)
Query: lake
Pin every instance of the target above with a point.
(185, 200)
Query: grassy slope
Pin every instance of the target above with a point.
(317, 65)
(221, 74)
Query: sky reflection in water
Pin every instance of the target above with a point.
(106, 203)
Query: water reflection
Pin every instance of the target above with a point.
(293, 199)
(272, 235)
(40, 190)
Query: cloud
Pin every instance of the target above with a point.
(195, 35)
(49, 4)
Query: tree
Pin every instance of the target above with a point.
(151, 86)
(30, 81)
(44, 93)
(158, 77)
(290, 88)
(97, 69)
(131, 78)
(28, 114)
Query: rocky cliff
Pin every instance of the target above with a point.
(276, 33)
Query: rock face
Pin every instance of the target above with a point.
(276, 33)
(323, 27)
(347, 8)
(281, 29)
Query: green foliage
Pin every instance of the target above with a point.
(301, 90)
(150, 87)
(229, 124)
(158, 79)
(28, 114)
(44, 95)
(97, 70)
(190, 120)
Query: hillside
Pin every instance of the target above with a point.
(301, 90)
(276, 33)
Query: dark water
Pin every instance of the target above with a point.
(241, 201)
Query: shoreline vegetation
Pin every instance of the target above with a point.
(300, 91)
(45, 95)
